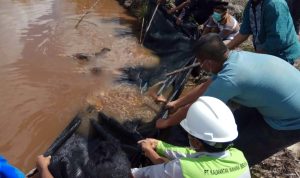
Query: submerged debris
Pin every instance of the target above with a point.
(96, 70)
(89, 56)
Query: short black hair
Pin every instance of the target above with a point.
(210, 46)
(218, 147)
(221, 5)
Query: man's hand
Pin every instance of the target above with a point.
(148, 146)
(43, 162)
(171, 11)
(297, 64)
(178, 21)
(172, 106)
(173, 119)
(148, 143)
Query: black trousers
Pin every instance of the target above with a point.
(294, 6)
(257, 139)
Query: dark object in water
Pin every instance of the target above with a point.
(102, 52)
(96, 70)
(87, 56)
(131, 74)
(82, 56)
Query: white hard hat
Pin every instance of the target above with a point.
(211, 120)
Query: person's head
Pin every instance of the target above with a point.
(210, 125)
(220, 11)
(211, 52)
(255, 2)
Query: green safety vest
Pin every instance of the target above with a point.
(233, 166)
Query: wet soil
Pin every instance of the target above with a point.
(282, 164)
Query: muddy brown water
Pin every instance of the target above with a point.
(43, 87)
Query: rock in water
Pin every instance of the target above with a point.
(82, 56)
(88, 57)
(102, 52)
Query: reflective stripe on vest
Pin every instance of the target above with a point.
(233, 166)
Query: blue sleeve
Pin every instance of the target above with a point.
(222, 88)
(8, 171)
(245, 26)
(275, 24)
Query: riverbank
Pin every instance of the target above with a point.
(285, 163)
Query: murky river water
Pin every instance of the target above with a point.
(43, 87)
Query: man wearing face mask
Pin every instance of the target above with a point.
(211, 129)
(271, 113)
(222, 22)
(271, 25)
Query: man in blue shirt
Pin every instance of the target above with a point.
(264, 82)
(9, 171)
(271, 25)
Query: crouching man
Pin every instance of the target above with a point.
(211, 129)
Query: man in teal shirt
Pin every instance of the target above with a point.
(271, 25)
(264, 82)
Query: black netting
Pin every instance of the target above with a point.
(111, 148)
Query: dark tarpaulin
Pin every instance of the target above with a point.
(169, 42)
(112, 149)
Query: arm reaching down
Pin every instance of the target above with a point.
(191, 97)
(238, 39)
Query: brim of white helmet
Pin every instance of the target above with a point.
(185, 126)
